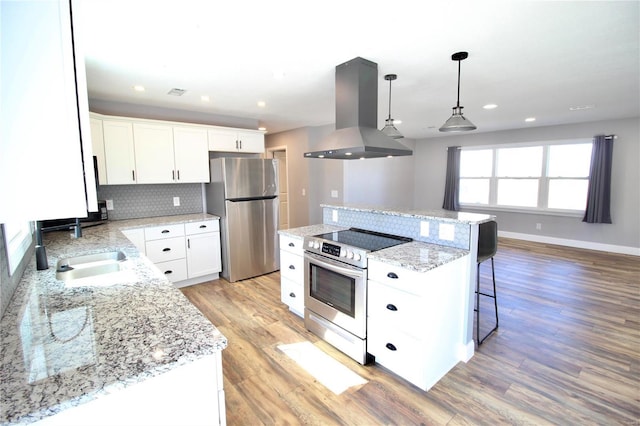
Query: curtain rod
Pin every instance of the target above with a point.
(611, 137)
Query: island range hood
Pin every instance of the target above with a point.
(356, 135)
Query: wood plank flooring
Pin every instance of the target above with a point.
(567, 351)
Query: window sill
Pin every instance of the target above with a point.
(524, 210)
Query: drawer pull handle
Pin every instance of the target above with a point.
(166, 249)
(392, 275)
(168, 272)
(165, 231)
(391, 347)
(292, 295)
(291, 245)
(203, 226)
(392, 307)
(292, 267)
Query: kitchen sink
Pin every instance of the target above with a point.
(90, 265)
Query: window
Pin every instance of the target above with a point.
(550, 177)
(17, 237)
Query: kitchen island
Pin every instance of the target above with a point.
(66, 346)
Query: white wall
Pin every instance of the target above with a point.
(430, 168)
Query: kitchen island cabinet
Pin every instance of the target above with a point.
(86, 350)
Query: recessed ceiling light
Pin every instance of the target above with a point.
(262, 104)
(138, 88)
(530, 119)
(205, 98)
(262, 128)
(581, 107)
(490, 106)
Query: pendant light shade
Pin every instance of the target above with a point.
(389, 129)
(457, 122)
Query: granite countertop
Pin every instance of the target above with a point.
(64, 344)
(418, 256)
(305, 231)
(444, 215)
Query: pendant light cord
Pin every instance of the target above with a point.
(458, 102)
(390, 98)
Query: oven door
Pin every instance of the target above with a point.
(337, 292)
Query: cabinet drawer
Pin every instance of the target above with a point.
(398, 309)
(292, 266)
(396, 276)
(174, 270)
(167, 249)
(292, 294)
(291, 244)
(165, 231)
(192, 228)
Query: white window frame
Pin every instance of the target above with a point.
(543, 180)
(17, 239)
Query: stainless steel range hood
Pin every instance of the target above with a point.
(356, 134)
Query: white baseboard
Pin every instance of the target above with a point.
(465, 352)
(196, 280)
(589, 245)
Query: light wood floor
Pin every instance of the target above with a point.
(567, 351)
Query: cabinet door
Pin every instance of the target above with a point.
(118, 152)
(203, 254)
(251, 142)
(154, 153)
(39, 127)
(223, 140)
(97, 141)
(191, 150)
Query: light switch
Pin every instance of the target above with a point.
(109, 204)
(334, 193)
(424, 228)
(334, 215)
(446, 231)
(176, 201)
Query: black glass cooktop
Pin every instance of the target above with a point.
(364, 239)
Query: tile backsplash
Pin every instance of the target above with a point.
(137, 201)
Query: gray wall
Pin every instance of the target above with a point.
(136, 201)
(8, 283)
(431, 157)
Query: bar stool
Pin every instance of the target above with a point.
(487, 248)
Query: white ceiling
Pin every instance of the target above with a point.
(531, 58)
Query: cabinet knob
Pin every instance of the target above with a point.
(392, 275)
(203, 226)
(391, 347)
(166, 249)
(168, 272)
(165, 231)
(292, 267)
(292, 295)
(392, 307)
(291, 245)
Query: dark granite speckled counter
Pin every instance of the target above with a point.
(62, 345)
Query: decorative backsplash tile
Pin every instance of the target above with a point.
(402, 226)
(136, 201)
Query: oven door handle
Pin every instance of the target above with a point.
(332, 265)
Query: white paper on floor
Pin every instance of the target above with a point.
(325, 369)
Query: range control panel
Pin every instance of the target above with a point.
(344, 253)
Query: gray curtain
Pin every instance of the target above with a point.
(452, 181)
(599, 193)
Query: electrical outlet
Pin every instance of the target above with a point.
(334, 215)
(424, 228)
(304, 192)
(176, 201)
(109, 204)
(446, 231)
(334, 193)
(538, 226)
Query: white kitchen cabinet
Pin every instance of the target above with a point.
(97, 142)
(153, 153)
(44, 108)
(236, 140)
(119, 152)
(203, 248)
(415, 320)
(191, 152)
(292, 274)
(165, 247)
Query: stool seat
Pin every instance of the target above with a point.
(487, 249)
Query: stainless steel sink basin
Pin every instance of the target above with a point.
(90, 265)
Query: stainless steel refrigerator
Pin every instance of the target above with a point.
(244, 193)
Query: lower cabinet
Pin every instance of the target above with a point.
(415, 320)
(292, 274)
(186, 253)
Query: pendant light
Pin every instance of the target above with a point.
(389, 129)
(457, 122)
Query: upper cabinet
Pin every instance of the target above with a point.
(97, 142)
(119, 153)
(154, 153)
(236, 140)
(191, 151)
(44, 114)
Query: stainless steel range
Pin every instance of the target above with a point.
(335, 286)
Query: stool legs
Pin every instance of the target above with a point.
(495, 303)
